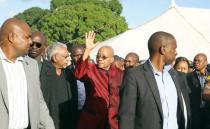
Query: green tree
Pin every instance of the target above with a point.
(70, 22)
(114, 5)
(32, 16)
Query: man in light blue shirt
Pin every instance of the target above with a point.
(168, 97)
(152, 95)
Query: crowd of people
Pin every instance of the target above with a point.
(48, 87)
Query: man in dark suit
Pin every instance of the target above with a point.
(200, 109)
(151, 97)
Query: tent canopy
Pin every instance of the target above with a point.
(190, 27)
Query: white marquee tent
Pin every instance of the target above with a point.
(190, 26)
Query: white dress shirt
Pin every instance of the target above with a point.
(17, 92)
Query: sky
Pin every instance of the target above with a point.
(136, 12)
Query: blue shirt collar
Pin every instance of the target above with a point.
(166, 68)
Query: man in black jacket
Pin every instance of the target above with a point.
(151, 96)
(56, 86)
(196, 81)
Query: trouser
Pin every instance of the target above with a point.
(201, 119)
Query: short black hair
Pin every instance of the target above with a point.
(134, 55)
(77, 46)
(157, 39)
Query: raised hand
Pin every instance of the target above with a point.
(89, 40)
(89, 43)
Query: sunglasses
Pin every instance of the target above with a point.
(37, 44)
(102, 57)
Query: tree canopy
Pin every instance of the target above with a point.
(70, 22)
(32, 16)
(114, 5)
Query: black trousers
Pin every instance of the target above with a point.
(201, 119)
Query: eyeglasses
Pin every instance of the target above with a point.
(66, 56)
(37, 44)
(102, 57)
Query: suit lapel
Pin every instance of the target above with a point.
(176, 82)
(195, 80)
(27, 72)
(3, 85)
(153, 86)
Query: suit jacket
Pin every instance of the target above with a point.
(195, 87)
(38, 112)
(140, 105)
(195, 100)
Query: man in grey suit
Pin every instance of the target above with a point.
(21, 102)
(153, 94)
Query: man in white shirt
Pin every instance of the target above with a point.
(21, 102)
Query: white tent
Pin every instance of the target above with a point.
(190, 26)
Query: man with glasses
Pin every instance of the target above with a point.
(101, 107)
(38, 47)
(56, 87)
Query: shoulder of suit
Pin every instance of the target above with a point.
(134, 70)
(182, 75)
(29, 59)
(191, 74)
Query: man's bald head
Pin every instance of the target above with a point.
(107, 49)
(159, 39)
(12, 25)
(131, 60)
(105, 57)
(202, 55)
(15, 37)
(200, 62)
(133, 55)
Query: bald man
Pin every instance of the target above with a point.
(196, 80)
(101, 107)
(151, 94)
(21, 102)
(131, 60)
(38, 47)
